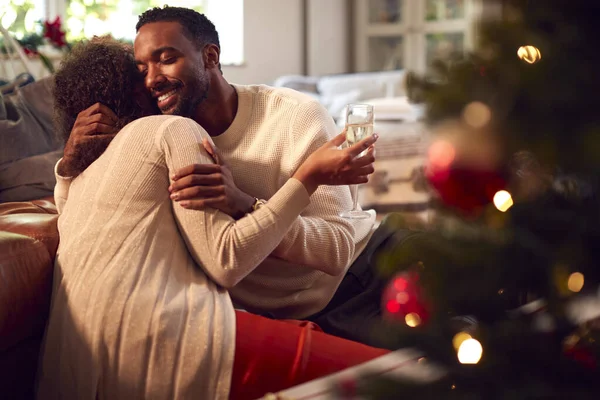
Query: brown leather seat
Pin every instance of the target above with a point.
(28, 244)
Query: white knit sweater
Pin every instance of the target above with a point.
(273, 132)
(134, 314)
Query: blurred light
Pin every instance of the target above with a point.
(412, 319)
(575, 282)
(75, 26)
(400, 284)
(470, 351)
(32, 16)
(459, 338)
(77, 9)
(503, 200)
(477, 114)
(501, 291)
(441, 154)
(9, 18)
(94, 26)
(402, 298)
(392, 306)
(529, 54)
(453, 387)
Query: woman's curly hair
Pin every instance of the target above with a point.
(101, 70)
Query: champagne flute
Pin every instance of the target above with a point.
(359, 125)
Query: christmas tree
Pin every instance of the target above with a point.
(501, 291)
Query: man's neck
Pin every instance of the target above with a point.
(217, 112)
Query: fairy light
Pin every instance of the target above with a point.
(529, 54)
(412, 319)
(503, 200)
(441, 154)
(400, 284)
(402, 298)
(470, 351)
(459, 338)
(476, 114)
(575, 282)
(393, 306)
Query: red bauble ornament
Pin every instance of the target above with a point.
(403, 300)
(465, 186)
(468, 190)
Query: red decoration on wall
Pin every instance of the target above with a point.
(54, 33)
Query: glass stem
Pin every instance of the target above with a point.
(354, 193)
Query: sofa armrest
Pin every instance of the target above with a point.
(25, 288)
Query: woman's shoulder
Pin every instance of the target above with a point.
(157, 127)
(156, 122)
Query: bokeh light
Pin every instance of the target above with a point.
(400, 284)
(441, 154)
(575, 282)
(503, 200)
(470, 351)
(459, 338)
(402, 298)
(413, 320)
(477, 115)
(392, 306)
(529, 54)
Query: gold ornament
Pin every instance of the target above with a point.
(529, 54)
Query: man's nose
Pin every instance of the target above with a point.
(154, 78)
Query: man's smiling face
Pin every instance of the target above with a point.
(172, 66)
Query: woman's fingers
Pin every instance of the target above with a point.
(363, 145)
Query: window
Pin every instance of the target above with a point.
(86, 18)
(410, 34)
(20, 16)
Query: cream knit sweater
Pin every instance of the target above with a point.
(273, 132)
(134, 314)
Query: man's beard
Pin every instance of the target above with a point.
(187, 105)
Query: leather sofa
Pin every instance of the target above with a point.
(28, 244)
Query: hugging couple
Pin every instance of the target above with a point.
(199, 222)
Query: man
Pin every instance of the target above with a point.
(320, 269)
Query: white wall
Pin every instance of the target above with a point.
(328, 26)
(273, 42)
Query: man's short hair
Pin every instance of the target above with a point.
(102, 70)
(196, 26)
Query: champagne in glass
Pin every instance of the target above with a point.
(359, 125)
(357, 132)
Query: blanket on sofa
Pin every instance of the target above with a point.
(28, 146)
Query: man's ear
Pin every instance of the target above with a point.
(211, 55)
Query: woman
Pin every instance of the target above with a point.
(139, 307)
